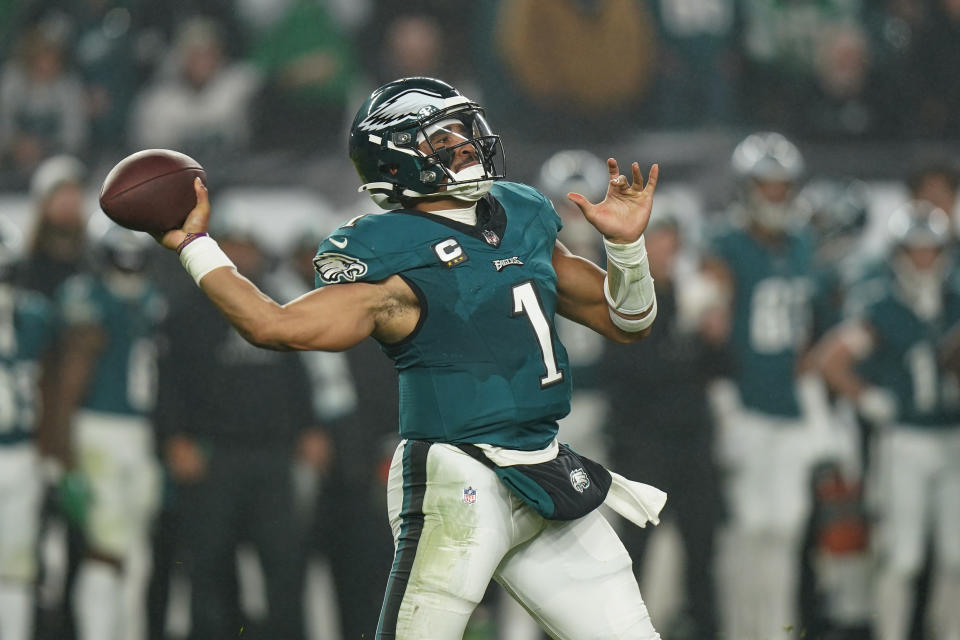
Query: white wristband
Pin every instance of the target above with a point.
(202, 256)
(633, 325)
(628, 286)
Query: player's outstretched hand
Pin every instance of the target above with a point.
(198, 220)
(625, 211)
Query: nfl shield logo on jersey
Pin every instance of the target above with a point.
(579, 479)
(469, 495)
(491, 237)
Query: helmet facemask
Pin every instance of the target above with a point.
(921, 231)
(441, 141)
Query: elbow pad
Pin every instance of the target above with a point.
(628, 286)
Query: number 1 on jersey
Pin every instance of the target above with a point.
(527, 302)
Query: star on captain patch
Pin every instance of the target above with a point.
(469, 495)
(491, 238)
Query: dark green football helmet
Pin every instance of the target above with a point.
(394, 125)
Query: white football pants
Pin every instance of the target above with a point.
(116, 456)
(456, 527)
(20, 492)
(918, 477)
(768, 462)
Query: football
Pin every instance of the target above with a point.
(151, 190)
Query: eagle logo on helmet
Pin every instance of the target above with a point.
(401, 107)
(335, 268)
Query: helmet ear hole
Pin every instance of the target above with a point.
(392, 169)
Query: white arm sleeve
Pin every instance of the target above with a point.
(628, 286)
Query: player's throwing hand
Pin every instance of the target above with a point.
(198, 220)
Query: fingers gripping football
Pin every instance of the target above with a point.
(198, 220)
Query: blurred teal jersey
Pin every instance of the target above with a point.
(124, 378)
(905, 358)
(484, 363)
(772, 315)
(26, 329)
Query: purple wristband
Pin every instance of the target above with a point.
(190, 238)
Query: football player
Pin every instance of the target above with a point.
(242, 451)
(836, 574)
(764, 266)
(25, 333)
(907, 392)
(107, 386)
(668, 432)
(460, 282)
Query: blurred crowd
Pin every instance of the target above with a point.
(797, 399)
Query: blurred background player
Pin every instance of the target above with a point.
(58, 243)
(915, 401)
(57, 249)
(836, 570)
(764, 267)
(234, 420)
(665, 434)
(25, 334)
(357, 418)
(106, 386)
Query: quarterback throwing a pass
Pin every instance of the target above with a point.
(459, 282)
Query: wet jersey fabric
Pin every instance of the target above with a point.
(124, 378)
(26, 329)
(905, 358)
(773, 295)
(484, 363)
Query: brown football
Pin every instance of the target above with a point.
(151, 190)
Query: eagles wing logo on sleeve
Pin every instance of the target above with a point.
(334, 268)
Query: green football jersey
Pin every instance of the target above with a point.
(26, 329)
(772, 315)
(124, 378)
(905, 358)
(484, 363)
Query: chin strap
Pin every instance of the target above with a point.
(628, 286)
